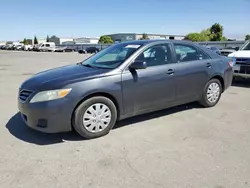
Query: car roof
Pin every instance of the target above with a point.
(144, 42)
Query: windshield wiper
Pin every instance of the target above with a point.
(86, 65)
(89, 65)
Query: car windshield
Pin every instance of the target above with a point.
(112, 56)
(246, 46)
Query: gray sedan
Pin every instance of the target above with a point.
(123, 80)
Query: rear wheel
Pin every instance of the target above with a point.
(95, 117)
(211, 93)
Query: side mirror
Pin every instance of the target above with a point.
(237, 48)
(138, 65)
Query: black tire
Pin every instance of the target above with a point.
(77, 120)
(204, 100)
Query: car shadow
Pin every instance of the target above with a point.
(241, 82)
(157, 114)
(21, 131)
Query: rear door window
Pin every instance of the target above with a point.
(185, 52)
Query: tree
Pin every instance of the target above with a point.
(224, 38)
(247, 37)
(196, 37)
(25, 41)
(105, 40)
(144, 37)
(35, 40)
(47, 39)
(216, 32)
(205, 34)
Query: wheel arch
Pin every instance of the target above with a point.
(220, 78)
(98, 94)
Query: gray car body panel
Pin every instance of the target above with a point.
(133, 91)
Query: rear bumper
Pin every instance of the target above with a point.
(49, 117)
(228, 78)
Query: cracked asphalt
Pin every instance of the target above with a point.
(185, 146)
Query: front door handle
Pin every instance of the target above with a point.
(170, 71)
(208, 65)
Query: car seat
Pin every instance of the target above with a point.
(190, 57)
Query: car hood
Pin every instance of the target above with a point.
(56, 78)
(242, 53)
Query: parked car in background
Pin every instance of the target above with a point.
(15, 46)
(82, 51)
(92, 50)
(18, 47)
(228, 50)
(35, 47)
(28, 47)
(241, 60)
(9, 47)
(64, 49)
(122, 81)
(70, 49)
(214, 49)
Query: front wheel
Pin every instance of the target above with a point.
(211, 93)
(95, 117)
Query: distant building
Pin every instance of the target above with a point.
(67, 40)
(120, 37)
(86, 40)
(60, 40)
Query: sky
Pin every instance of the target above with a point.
(91, 18)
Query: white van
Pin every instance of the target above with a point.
(47, 47)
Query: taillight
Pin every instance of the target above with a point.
(230, 64)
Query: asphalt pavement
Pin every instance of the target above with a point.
(185, 146)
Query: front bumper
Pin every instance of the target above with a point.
(49, 117)
(242, 70)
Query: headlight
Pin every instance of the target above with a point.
(50, 95)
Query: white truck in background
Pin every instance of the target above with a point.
(241, 60)
(49, 47)
(46, 47)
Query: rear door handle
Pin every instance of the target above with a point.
(208, 65)
(170, 71)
